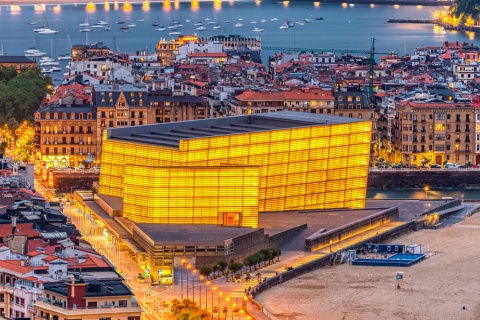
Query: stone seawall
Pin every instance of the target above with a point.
(439, 178)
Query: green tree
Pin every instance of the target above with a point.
(267, 255)
(21, 94)
(222, 265)
(206, 271)
(234, 267)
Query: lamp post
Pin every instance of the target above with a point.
(188, 269)
(206, 294)
(193, 285)
(219, 295)
(200, 286)
(213, 289)
(426, 192)
(181, 278)
(331, 245)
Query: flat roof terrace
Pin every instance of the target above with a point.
(189, 235)
(170, 134)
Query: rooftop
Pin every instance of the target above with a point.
(170, 134)
(184, 234)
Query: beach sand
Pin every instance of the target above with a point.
(436, 288)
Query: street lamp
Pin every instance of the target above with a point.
(181, 278)
(213, 289)
(331, 245)
(219, 295)
(188, 269)
(193, 285)
(426, 192)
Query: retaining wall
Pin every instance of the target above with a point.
(349, 230)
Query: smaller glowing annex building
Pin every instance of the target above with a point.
(224, 171)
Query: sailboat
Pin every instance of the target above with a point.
(47, 30)
(66, 56)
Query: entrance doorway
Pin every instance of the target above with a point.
(231, 219)
(438, 160)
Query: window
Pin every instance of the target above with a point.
(440, 116)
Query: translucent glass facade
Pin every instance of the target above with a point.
(192, 195)
(318, 166)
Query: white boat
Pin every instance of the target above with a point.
(253, 22)
(46, 59)
(307, 20)
(106, 28)
(211, 22)
(187, 20)
(141, 20)
(238, 24)
(198, 24)
(38, 29)
(240, 19)
(49, 63)
(174, 32)
(86, 30)
(97, 26)
(45, 70)
(201, 28)
(48, 31)
(258, 30)
(83, 24)
(32, 23)
(64, 57)
(263, 21)
(131, 25)
(207, 19)
(120, 22)
(284, 26)
(226, 21)
(32, 52)
(102, 23)
(162, 28)
(273, 19)
(55, 69)
(155, 24)
(217, 27)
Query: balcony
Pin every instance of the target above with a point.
(99, 310)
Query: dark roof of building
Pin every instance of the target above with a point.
(186, 98)
(94, 288)
(185, 234)
(170, 134)
(107, 95)
(15, 59)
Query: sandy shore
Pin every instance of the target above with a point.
(436, 288)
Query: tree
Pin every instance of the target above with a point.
(214, 270)
(21, 93)
(187, 310)
(234, 267)
(206, 271)
(267, 255)
(249, 262)
(222, 264)
(259, 256)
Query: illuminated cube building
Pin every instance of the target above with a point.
(224, 171)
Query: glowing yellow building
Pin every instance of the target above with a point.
(224, 171)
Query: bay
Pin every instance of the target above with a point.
(344, 26)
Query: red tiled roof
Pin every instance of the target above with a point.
(208, 55)
(22, 229)
(15, 266)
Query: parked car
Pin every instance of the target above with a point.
(435, 166)
(396, 166)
